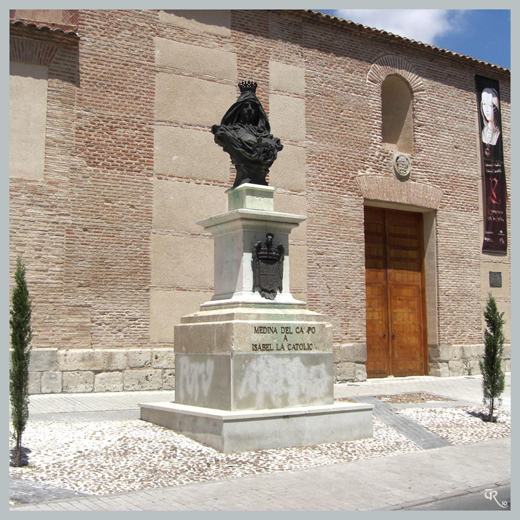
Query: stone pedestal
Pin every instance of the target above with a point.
(262, 429)
(254, 373)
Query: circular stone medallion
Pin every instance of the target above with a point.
(402, 166)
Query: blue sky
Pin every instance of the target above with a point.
(484, 34)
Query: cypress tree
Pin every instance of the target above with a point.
(20, 355)
(493, 377)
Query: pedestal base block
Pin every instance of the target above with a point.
(253, 359)
(262, 429)
(254, 367)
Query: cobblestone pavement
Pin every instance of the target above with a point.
(373, 484)
(413, 477)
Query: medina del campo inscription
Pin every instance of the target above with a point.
(286, 338)
(268, 268)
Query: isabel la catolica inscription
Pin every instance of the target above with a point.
(283, 338)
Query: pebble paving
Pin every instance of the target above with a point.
(135, 455)
(461, 424)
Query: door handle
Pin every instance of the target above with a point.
(384, 336)
(393, 336)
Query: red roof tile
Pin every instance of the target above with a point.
(67, 30)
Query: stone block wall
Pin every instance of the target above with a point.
(107, 228)
(104, 370)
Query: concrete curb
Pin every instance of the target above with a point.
(447, 496)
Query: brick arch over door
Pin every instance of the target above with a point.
(389, 189)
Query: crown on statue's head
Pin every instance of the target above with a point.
(247, 85)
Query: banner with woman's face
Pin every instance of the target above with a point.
(488, 97)
(490, 137)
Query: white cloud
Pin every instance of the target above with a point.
(424, 25)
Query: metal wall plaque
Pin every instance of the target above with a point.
(495, 279)
(268, 268)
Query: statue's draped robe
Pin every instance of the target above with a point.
(250, 145)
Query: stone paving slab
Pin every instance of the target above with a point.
(370, 484)
(462, 388)
(24, 491)
(435, 404)
(65, 403)
(97, 415)
(466, 502)
(404, 425)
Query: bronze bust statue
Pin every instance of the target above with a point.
(244, 133)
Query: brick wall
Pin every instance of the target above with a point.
(130, 165)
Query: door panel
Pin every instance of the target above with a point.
(376, 295)
(395, 295)
(405, 309)
(377, 330)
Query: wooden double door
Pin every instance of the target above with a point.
(396, 328)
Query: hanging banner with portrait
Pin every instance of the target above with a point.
(490, 138)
